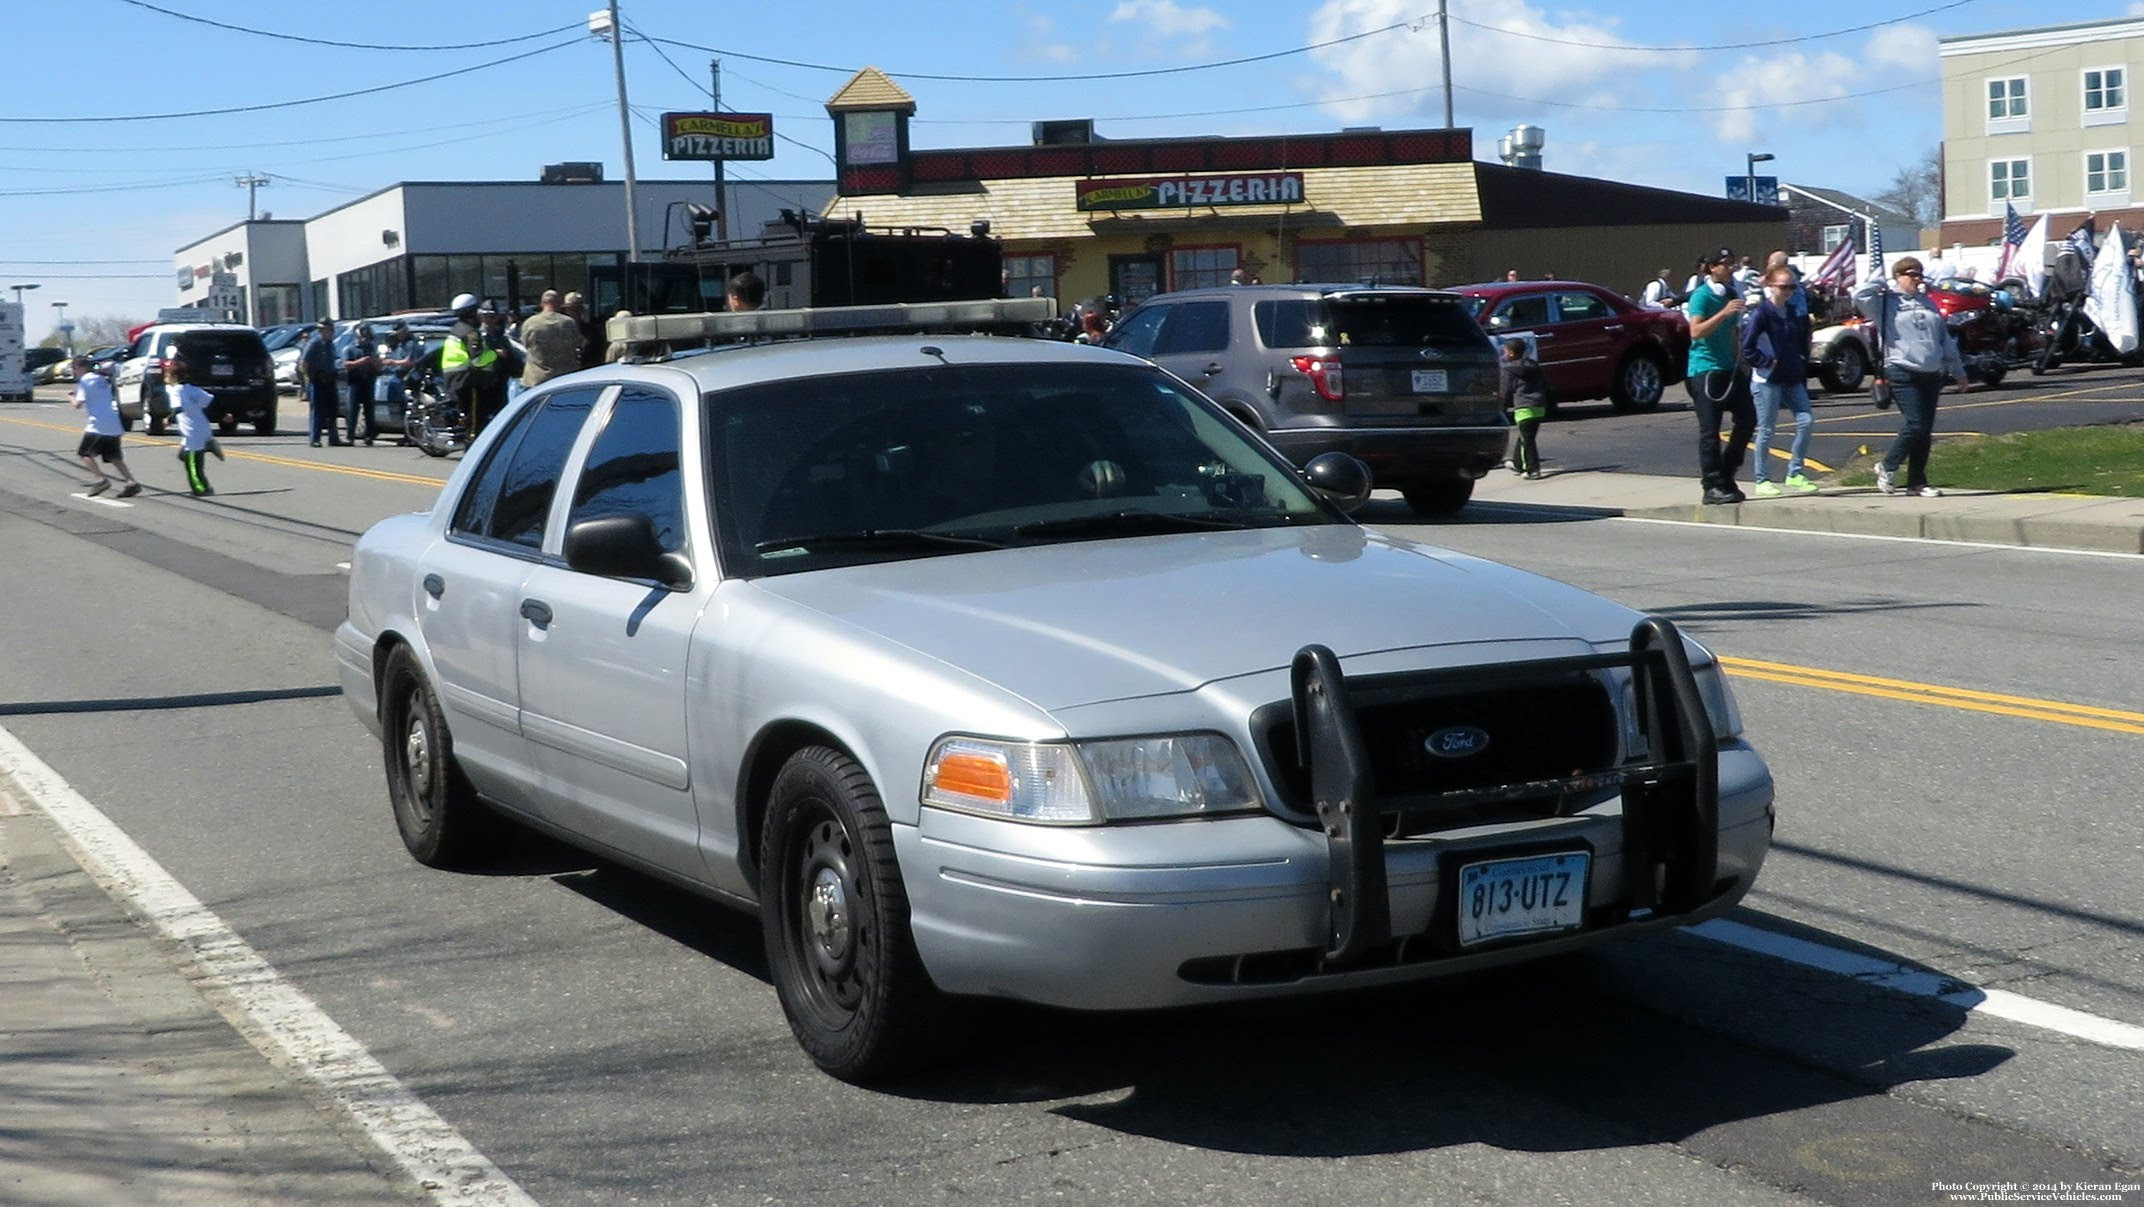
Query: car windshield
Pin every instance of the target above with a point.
(1473, 305)
(1368, 320)
(831, 471)
(240, 348)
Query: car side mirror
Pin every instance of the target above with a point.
(624, 546)
(1340, 479)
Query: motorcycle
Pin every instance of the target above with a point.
(1993, 336)
(433, 420)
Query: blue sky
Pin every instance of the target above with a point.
(1664, 92)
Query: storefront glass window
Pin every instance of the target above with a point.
(1384, 261)
(1024, 274)
(1201, 267)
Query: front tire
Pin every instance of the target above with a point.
(835, 917)
(1444, 496)
(1847, 370)
(437, 812)
(1639, 382)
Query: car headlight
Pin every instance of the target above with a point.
(1082, 783)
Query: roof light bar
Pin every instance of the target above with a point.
(890, 318)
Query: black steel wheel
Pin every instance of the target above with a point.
(1846, 369)
(1442, 496)
(835, 917)
(442, 822)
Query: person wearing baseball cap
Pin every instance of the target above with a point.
(1717, 382)
(320, 364)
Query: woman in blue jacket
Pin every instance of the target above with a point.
(1776, 344)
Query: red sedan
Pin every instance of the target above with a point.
(1592, 343)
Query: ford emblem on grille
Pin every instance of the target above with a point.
(1457, 742)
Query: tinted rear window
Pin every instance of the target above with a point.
(238, 347)
(1367, 321)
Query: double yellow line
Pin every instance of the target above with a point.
(2111, 719)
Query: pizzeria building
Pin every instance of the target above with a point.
(1081, 215)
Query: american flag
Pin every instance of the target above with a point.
(1875, 251)
(1838, 268)
(2013, 238)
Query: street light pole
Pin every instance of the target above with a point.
(1749, 174)
(66, 332)
(19, 291)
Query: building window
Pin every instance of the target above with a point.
(1200, 267)
(2008, 110)
(1024, 275)
(2106, 175)
(1383, 261)
(1835, 235)
(2009, 183)
(2106, 96)
(276, 304)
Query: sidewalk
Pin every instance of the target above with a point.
(2054, 521)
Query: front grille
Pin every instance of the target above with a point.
(1523, 733)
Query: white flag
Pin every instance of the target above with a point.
(2112, 305)
(2030, 261)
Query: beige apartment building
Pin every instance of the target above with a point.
(2040, 119)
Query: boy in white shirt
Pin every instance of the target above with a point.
(100, 431)
(190, 403)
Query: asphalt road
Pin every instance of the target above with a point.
(1593, 436)
(1949, 809)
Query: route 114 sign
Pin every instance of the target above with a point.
(718, 136)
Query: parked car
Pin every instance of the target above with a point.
(229, 361)
(1398, 377)
(999, 667)
(57, 370)
(283, 342)
(105, 358)
(38, 361)
(1592, 342)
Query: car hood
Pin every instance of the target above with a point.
(1073, 624)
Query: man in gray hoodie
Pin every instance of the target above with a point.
(1918, 353)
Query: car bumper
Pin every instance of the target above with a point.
(353, 668)
(1397, 455)
(1231, 909)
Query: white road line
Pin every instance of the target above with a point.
(1889, 974)
(279, 1019)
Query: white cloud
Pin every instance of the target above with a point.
(1168, 19)
(1526, 52)
(1910, 48)
(1775, 85)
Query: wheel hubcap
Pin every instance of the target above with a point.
(826, 916)
(417, 757)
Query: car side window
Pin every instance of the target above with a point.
(1573, 307)
(510, 497)
(1530, 310)
(1195, 327)
(1137, 331)
(633, 467)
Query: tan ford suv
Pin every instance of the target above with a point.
(1402, 378)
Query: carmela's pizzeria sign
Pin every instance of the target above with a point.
(1186, 192)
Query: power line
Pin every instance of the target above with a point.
(1455, 18)
(72, 262)
(155, 117)
(1049, 79)
(263, 33)
(398, 132)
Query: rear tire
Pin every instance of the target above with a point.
(1639, 382)
(265, 425)
(442, 823)
(835, 917)
(1443, 496)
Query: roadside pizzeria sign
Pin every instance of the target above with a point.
(718, 136)
(1187, 192)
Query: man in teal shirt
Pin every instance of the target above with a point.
(1718, 384)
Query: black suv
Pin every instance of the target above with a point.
(230, 362)
(1401, 377)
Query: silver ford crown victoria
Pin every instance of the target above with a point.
(997, 667)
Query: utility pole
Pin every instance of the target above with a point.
(625, 134)
(722, 210)
(249, 184)
(1444, 42)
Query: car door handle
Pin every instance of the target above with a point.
(536, 612)
(434, 586)
(1212, 368)
(1613, 327)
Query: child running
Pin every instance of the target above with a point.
(100, 430)
(1524, 389)
(190, 403)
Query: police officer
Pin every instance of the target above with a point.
(468, 365)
